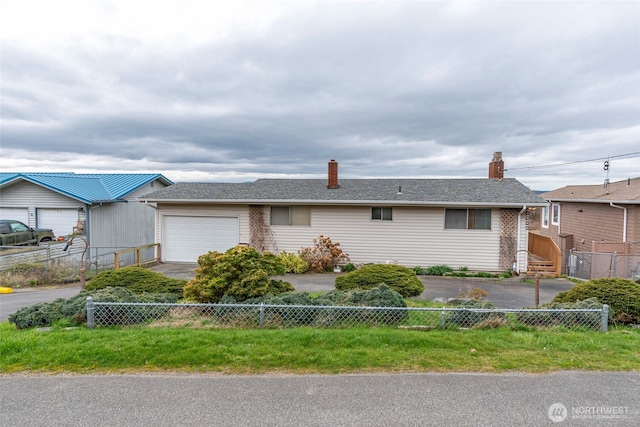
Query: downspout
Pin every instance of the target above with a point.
(624, 225)
(517, 269)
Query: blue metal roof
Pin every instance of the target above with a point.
(87, 188)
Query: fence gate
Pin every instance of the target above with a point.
(580, 264)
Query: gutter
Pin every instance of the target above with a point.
(524, 209)
(340, 202)
(624, 225)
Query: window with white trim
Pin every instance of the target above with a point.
(382, 214)
(291, 215)
(555, 214)
(467, 219)
(545, 217)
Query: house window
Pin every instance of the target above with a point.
(555, 214)
(291, 215)
(545, 217)
(467, 219)
(382, 214)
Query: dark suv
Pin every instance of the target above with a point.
(14, 233)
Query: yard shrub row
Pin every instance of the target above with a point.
(73, 310)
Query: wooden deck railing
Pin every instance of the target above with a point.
(138, 250)
(546, 248)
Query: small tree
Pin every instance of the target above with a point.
(241, 272)
(323, 255)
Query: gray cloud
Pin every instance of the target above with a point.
(388, 89)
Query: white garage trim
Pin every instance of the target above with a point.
(19, 214)
(185, 238)
(61, 221)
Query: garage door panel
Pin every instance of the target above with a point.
(185, 238)
(61, 221)
(19, 214)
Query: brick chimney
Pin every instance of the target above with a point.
(333, 174)
(496, 167)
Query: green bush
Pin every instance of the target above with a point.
(293, 263)
(73, 310)
(471, 318)
(381, 296)
(138, 280)
(349, 267)
(622, 296)
(241, 272)
(438, 270)
(401, 279)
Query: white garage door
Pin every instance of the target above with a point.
(61, 221)
(19, 214)
(185, 238)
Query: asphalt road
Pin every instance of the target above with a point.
(453, 399)
(10, 303)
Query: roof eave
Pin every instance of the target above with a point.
(607, 201)
(342, 202)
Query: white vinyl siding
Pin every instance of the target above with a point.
(415, 237)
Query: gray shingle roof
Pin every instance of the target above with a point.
(493, 192)
(626, 191)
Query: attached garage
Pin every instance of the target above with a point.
(61, 221)
(185, 238)
(18, 214)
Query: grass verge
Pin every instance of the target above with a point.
(306, 350)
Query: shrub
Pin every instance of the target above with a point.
(349, 267)
(138, 280)
(438, 270)
(73, 310)
(381, 296)
(419, 271)
(323, 255)
(241, 272)
(293, 263)
(622, 296)
(470, 318)
(401, 279)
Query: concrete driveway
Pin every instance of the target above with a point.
(504, 293)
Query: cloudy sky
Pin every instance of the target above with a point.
(238, 90)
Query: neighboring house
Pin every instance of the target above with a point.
(594, 218)
(475, 223)
(102, 206)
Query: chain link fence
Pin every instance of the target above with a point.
(253, 316)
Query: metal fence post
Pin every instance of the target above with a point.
(90, 313)
(604, 320)
(444, 318)
(261, 315)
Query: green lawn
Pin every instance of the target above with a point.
(305, 350)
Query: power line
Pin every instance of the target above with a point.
(635, 154)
